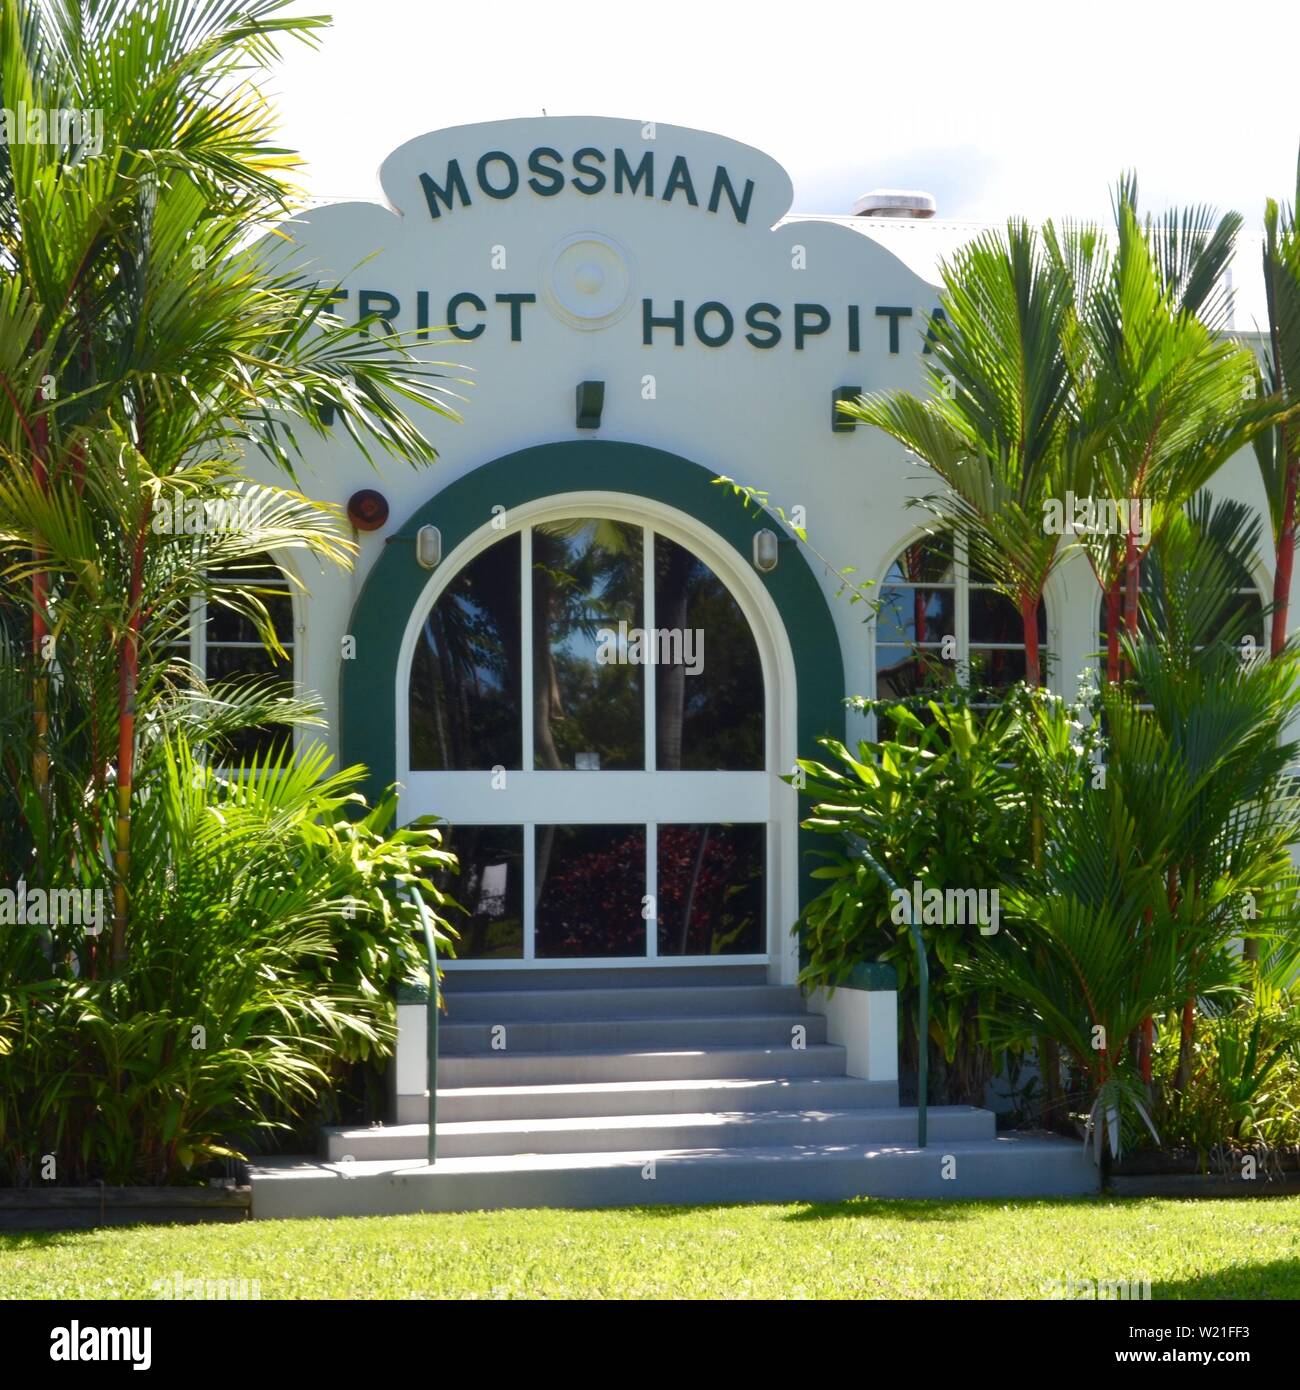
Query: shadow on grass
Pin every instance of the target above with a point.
(53, 1237)
(1274, 1279)
(924, 1209)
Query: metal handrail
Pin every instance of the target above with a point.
(860, 851)
(431, 1024)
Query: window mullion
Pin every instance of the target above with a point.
(652, 891)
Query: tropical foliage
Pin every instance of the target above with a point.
(1154, 891)
(151, 336)
(275, 916)
(941, 803)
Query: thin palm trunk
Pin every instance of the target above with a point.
(1113, 607)
(128, 683)
(1029, 620)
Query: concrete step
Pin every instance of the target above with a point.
(620, 1064)
(617, 1133)
(672, 1097)
(1009, 1166)
(573, 1035)
(458, 980)
(600, 1001)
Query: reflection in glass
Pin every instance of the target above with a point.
(916, 615)
(709, 692)
(994, 670)
(711, 900)
(588, 712)
(994, 618)
(901, 672)
(490, 887)
(590, 890)
(926, 561)
(465, 677)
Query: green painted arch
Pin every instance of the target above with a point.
(395, 584)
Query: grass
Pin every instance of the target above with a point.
(858, 1249)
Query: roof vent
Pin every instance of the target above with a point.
(895, 202)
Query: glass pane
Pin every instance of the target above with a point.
(711, 891)
(901, 672)
(490, 887)
(465, 700)
(708, 679)
(249, 664)
(225, 663)
(225, 625)
(590, 890)
(994, 670)
(916, 615)
(928, 561)
(588, 698)
(994, 618)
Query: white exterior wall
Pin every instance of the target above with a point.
(762, 416)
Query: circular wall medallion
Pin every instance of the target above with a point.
(589, 280)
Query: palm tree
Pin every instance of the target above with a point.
(996, 422)
(1277, 450)
(148, 342)
(1158, 388)
(1141, 891)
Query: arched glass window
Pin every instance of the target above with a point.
(942, 623)
(586, 708)
(1242, 616)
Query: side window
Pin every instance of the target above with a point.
(225, 647)
(942, 623)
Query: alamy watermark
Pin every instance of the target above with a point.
(182, 515)
(53, 907)
(953, 907)
(1097, 516)
(1076, 1286)
(178, 1286)
(656, 646)
(79, 131)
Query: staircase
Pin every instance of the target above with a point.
(583, 1088)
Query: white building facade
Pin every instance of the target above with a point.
(635, 315)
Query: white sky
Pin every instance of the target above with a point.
(994, 107)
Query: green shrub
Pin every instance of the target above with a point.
(1244, 1088)
(271, 928)
(940, 802)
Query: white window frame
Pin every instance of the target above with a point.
(961, 585)
(649, 797)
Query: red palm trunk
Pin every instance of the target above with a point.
(1285, 556)
(1112, 631)
(1029, 621)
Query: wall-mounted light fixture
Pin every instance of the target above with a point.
(765, 550)
(591, 402)
(843, 424)
(428, 547)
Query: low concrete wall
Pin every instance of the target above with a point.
(408, 1072)
(862, 1017)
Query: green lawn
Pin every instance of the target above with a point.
(862, 1249)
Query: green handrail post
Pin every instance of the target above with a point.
(860, 851)
(431, 1025)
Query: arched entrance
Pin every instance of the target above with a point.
(609, 810)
